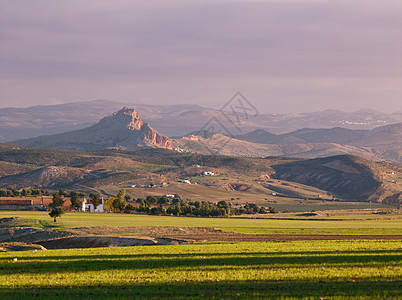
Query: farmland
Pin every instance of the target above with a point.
(346, 254)
(361, 224)
(329, 269)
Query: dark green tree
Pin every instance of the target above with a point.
(75, 202)
(57, 206)
(14, 192)
(56, 212)
(63, 192)
(120, 202)
(96, 199)
(57, 200)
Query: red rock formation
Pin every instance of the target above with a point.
(124, 130)
(148, 136)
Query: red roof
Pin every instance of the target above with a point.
(16, 202)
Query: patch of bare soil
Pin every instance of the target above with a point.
(215, 234)
(98, 241)
(7, 247)
(29, 235)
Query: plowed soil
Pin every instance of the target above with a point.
(215, 234)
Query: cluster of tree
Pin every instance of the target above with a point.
(119, 202)
(201, 208)
(65, 193)
(177, 206)
(251, 208)
(13, 192)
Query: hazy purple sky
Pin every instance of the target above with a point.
(284, 55)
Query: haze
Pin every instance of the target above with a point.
(285, 56)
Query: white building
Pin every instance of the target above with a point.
(86, 206)
(208, 173)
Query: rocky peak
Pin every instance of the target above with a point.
(123, 129)
(131, 129)
(130, 117)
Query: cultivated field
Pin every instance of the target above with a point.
(351, 254)
(328, 269)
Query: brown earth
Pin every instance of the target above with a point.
(215, 234)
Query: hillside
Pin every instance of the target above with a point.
(240, 178)
(345, 176)
(124, 129)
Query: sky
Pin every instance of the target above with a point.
(283, 55)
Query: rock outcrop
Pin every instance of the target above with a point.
(124, 130)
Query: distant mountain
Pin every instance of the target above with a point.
(332, 135)
(224, 145)
(123, 129)
(174, 120)
(381, 136)
(306, 135)
(381, 143)
(22, 123)
(259, 136)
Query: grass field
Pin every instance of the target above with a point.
(333, 269)
(256, 226)
(328, 269)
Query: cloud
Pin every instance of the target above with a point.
(159, 44)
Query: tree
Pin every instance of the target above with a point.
(57, 200)
(3, 192)
(151, 200)
(56, 212)
(14, 192)
(75, 202)
(63, 192)
(96, 200)
(163, 200)
(57, 206)
(108, 204)
(120, 202)
(26, 192)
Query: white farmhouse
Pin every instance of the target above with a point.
(86, 206)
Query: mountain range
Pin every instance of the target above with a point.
(381, 143)
(125, 129)
(175, 120)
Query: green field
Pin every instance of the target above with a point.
(361, 226)
(328, 269)
(334, 269)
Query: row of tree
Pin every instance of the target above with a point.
(202, 208)
(13, 192)
(167, 206)
(180, 207)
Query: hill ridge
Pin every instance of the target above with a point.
(123, 129)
